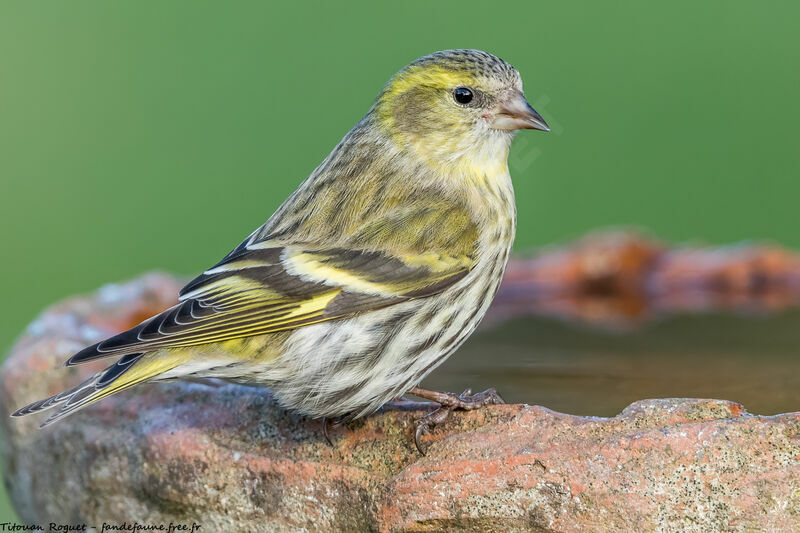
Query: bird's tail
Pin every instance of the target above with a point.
(126, 372)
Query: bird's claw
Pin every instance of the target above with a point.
(326, 422)
(423, 428)
(487, 397)
(428, 422)
(449, 402)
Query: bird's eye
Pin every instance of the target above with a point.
(463, 95)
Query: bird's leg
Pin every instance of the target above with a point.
(448, 402)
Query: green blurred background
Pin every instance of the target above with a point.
(156, 135)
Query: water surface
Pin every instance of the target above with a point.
(590, 370)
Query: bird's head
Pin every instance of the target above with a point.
(455, 104)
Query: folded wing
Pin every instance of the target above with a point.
(263, 288)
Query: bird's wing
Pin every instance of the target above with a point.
(262, 288)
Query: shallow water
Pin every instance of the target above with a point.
(588, 370)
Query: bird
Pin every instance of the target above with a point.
(366, 278)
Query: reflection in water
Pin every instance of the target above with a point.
(624, 278)
(575, 368)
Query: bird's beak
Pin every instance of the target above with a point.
(517, 114)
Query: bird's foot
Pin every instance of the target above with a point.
(449, 402)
